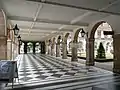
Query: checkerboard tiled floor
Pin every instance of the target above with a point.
(43, 72)
(42, 67)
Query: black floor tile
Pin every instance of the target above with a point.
(42, 77)
(68, 73)
(57, 75)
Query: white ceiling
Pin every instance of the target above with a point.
(41, 19)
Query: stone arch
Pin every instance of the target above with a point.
(3, 36)
(58, 46)
(76, 35)
(92, 34)
(11, 33)
(58, 39)
(53, 44)
(66, 36)
(3, 29)
(90, 41)
(94, 28)
(54, 39)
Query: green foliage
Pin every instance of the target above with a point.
(101, 51)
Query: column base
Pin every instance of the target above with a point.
(74, 59)
(116, 70)
(90, 63)
(57, 55)
(64, 57)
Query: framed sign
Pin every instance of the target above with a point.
(8, 70)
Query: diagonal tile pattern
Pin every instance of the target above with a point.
(44, 67)
(43, 72)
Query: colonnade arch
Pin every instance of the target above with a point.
(90, 40)
(9, 46)
(3, 36)
(53, 44)
(58, 47)
(37, 47)
(64, 45)
(91, 43)
(104, 40)
(33, 47)
(77, 43)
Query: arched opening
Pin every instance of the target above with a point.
(105, 41)
(100, 46)
(58, 46)
(22, 48)
(53, 45)
(80, 43)
(69, 44)
(64, 46)
(29, 47)
(37, 48)
(81, 46)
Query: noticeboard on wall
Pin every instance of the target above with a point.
(8, 70)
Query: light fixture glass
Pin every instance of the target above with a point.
(16, 30)
(82, 33)
(19, 38)
(20, 41)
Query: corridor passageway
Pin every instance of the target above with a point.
(46, 72)
(43, 42)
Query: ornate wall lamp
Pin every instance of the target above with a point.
(83, 33)
(19, 39)
(15, 29)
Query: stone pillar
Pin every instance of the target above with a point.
(25, 47)
(34, 44)
(15, 50)
(42, 47)
(49, 49)
(46, 48)
(58, 50)
(90, 52)
(3, 48)
(116, 45)
(74, 53)
(52, 49)
(9, 49)
(64, 50)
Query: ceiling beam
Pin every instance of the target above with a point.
(18, 18)
(73, 6)
(44, 29)
(36, 16)
(34, 34)
(89, 13)
(75, 20)
(53, 35)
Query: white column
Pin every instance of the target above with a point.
(58, 50)
(74, 53)
(9, 49)
(90, 52)
(64, 50)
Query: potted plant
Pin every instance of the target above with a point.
(101, 52)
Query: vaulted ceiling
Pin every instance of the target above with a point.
(42, 19)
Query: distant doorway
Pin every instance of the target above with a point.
(29, 47)
(37, 48)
